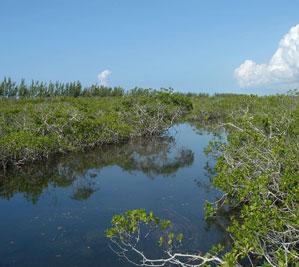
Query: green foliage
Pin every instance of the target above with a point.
(127, 226)
(129, 221)
(257, 167)
(258, 170)
(33, 128)
(9, 89)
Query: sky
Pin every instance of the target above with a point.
(192, 45)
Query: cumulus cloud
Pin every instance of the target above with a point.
(103, 77)
(282, 69)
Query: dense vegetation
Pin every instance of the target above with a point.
(35, 127)
(257, 166)
(258, 172)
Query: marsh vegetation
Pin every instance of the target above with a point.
(255, 168)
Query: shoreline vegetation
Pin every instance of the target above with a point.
(257, 167)
(40, 120)
(36, 125)
(257, 170)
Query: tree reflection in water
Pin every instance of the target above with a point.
(157, 156)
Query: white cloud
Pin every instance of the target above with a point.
(103, 77)
(282, 69)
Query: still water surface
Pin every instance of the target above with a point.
(55, 214)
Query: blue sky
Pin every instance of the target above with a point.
(188, 45)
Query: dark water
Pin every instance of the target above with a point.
(55, 214)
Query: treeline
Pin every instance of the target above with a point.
(11, 89)
(37, 89)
